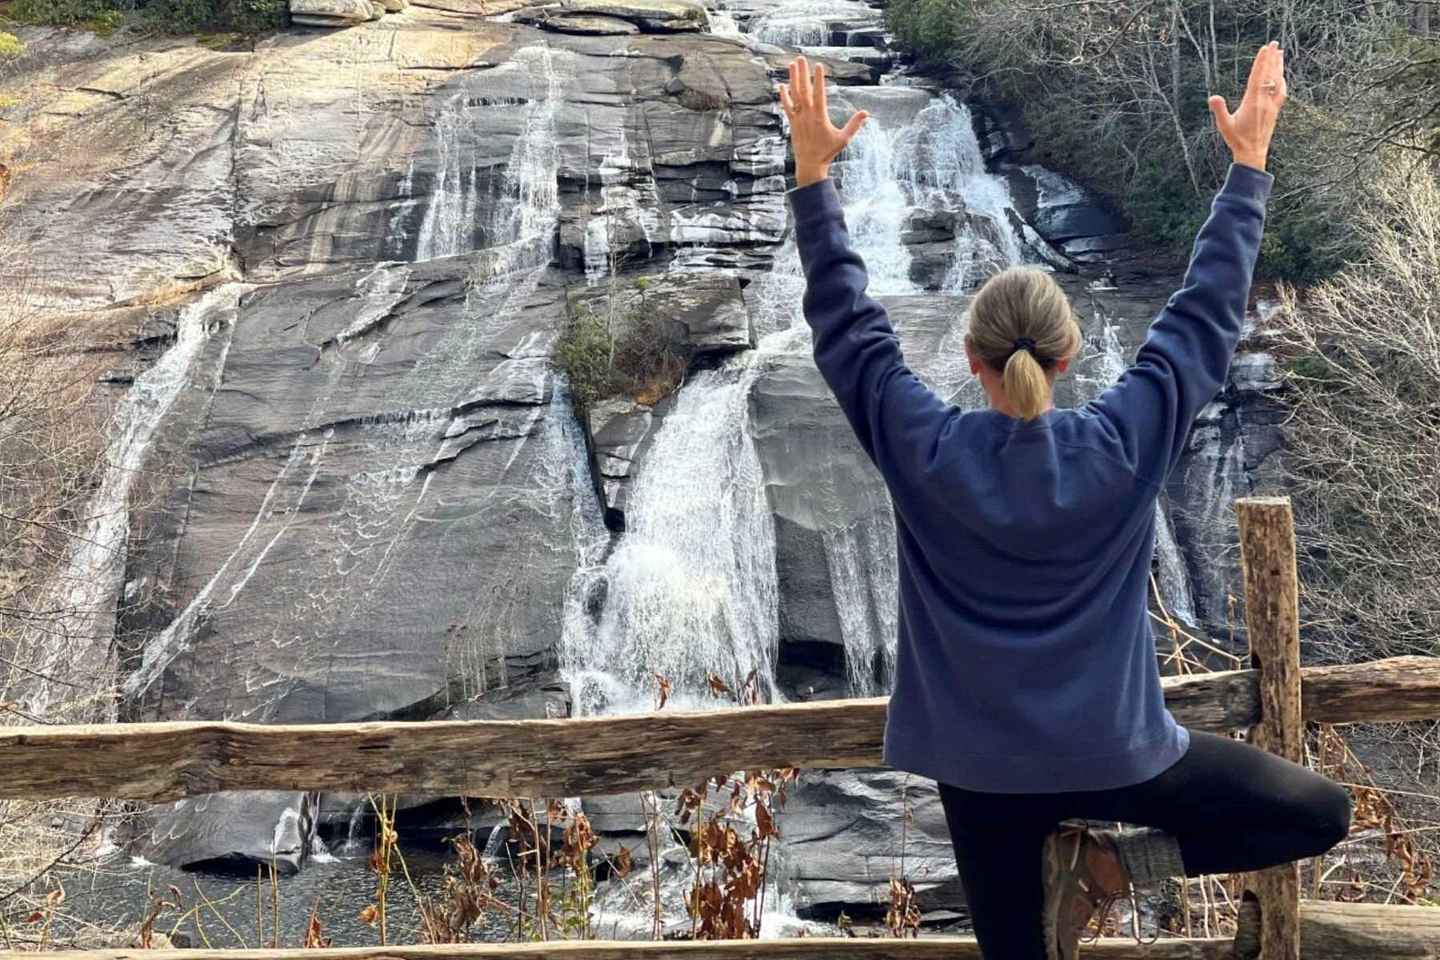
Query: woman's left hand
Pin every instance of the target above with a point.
(815, 139)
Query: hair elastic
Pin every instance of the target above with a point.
(1025, 343)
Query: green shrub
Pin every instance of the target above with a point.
(10, 47)
(624, 348)
(67, 13)
(240, 16)
(586, 352)
(167, 16)
(933, 28)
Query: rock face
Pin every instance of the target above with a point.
(334, 13)
(704, 313)
(222, 831)
(615, 16)
(619, 429)
(448, 445)
(844, 841)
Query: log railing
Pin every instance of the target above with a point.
(1328, 931)
(564, 758)
(549, 758)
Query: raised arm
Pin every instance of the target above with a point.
(1184, 360)
(896, 418)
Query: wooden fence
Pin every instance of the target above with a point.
(549, 758)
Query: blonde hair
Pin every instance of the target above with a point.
(1021, 325)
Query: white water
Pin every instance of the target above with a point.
(625, 206)
(692, 589)
(86, 589)
(806, 23)
(722, 23)
(449, 218)
(944, 168)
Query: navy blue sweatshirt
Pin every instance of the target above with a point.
(1026, 662)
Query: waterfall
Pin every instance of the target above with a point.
(932, 162)
(625, 209)
(691, 587)
(1173, 578)
(806, 23)
(448, 225)
(722, 23)
(528, 201)
(85, 591)
(877, 205)
(943, 167)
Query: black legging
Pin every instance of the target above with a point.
(1231, 806)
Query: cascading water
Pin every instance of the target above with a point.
(944, 168)
(722, 23)
(878, 205)
(84, 592)
(931, 163)
(691, 586)
(806, 23)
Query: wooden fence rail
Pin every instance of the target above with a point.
(1328, 931)
(557, 758)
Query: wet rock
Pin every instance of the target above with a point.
(126, 213)
(707, 311)
(1097, 249)
(651, 16)
(231, 831)
(331, 13)
(930, 237)
(560, 20)
(846, 833)
(618, 431)
(842, 71)
(437, 449)
(893, 107)
(1065, 214)
(876, 59)
(1004, 137)
(930, 226)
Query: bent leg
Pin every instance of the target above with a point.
(1232, 807)
(998, 846)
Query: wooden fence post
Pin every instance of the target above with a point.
(1272, 620)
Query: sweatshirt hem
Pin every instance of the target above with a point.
(1002, 773)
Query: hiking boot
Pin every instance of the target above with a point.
(1083, 876)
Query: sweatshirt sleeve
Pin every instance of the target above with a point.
(898, 420)
(1185, 358)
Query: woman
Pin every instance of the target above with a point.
(1026, 682)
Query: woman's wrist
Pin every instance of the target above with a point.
(1257, 161)
(806, 174)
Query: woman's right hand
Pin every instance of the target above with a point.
(1248, 130)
